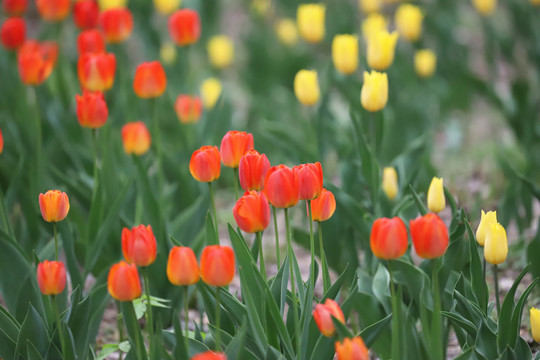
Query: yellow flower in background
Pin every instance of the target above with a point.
(345, 53)
(260, 6)
(425, 62)
(220, 51)
(535, 324)
(380, 49)
(486, 220)
(211, 89)
(373, 24)
(287, 32)
(166, 7)
(409, 21)
(485, 7)
(436, 201)
(310, 20)
(370, 6)
(111, 4)
(374, 93)
(535, 2)
(496, 245)
(390, 182)
(306, 87)
(167, 53)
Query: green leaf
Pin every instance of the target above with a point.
(460, 322)
(419, 203)
(233, 350)
(381, 285)
(372, 332)
(516, 315)
(133, 330)
(32, 330)
(477, 277)
(486, 342)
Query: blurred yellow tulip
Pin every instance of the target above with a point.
(310, 20)
(425, 62)
(535, 324)
(345, 53)
(380, 49)
(485, 7)
(111, 4)
(260, 6)
(372, 25)
(166, 7)
(287, 32)
(211, 90)
(374, 93)
(220, 51)
(370, 6)
(535, 2)
(486, 220)
(409, 21)
(496, 245)
(390, 182)
(306, 87)
(435, 197)
(167, 53)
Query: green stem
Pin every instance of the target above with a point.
(261, 257)
(326, 275)
(312, 246)
(39, 141)
(119, 326)
(186, 314)
(214, 212)
(55, 230)
(218, 315)
(150, 318)
(278, 259)
(496, 281)
(436, 322)
(395, 315)
(236, 186)
(293, 286)
(59, 324)
(95, 151)
(484, 270)
(157, 142)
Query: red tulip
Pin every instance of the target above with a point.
(185, 27)
(205, 164)
(13, 33)
(209, 355)
(351, 349)
(1, 142)
(51, 277)
(117, 24)
(92, 111)
(136, 138)
(150, 80)
(53, 10)
(323, 207)
(14, 7)
(217, 265)
(310, 180)
(96, 71)
(54, 205)
(123, 282)
(429, 235)
(139, 245)
(323, 317)
(182, 267)
(36, 61)
(389, 239)
(188, 108)
(252, 212)
(281, 186)
(90, 41)
(86, 14)
(233, 146)
(252, 170)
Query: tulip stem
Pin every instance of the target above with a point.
(149, 318)
(278, 259)
(395, 315)
(186, 314)
(235, 170)
(326, 275)
(312, 246)
(436, 322)
(261, 257)
(119, 326)
(55, 230)
(213, 202)
(155, 124)
(293, 285)
(484, 270)
(218, 315)
(95, 149)
(58, 324)
(496, 281)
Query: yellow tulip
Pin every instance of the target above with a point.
(211, 90)
(425, 62)
(496, 245)
(380, 49)
(310, 20)
(166, 7)
(535, 324)
(409, 21)
(167, 53)
(535, 2)
(306, 87)
(287, 32)
(220, 51)
(372, 25)
(435, 197)
(486, 220)
(485, 7)
(111, 4)
(345, 53)
(390, 182)
(260, 6)
(370, 6)
(374, 93)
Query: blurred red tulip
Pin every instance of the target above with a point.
(86, 14)
(14, 7)
(136, 138)
(252, 212)
(51, 277)
(53, 10)
(217, 265)
(54, 205)
(13, 33)
(252, 170)
(139, 245)
(1, 142)
(389, 238)
(117, 24)
(92, 111)
(209, 355)
(323, 207)
(123, 282)
(188, 108)
(429, 235)
(182, 267)
(90, 41)
(150, 80)
(205, 164)
(310, 180)
(323, 317)
(96, 71)
(36, 61)
(185, 27)
(281, 187)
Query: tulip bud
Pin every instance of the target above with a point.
(182, 267)
(380, 50)
(54, 205)
(425, 62)
(485, 7)
(435, 197)
(374, 93)
(233, 146)
(486, 219)
(535, 324)
(306, 87)
(136, 138)
(351, 349)
(90, 41)
(86, 14)
(53, 10)
(252, 170)
(167, 53)
(13, 33)
(323, 317)
(150, 80)
(188, 108)
(139, 245)
(496, 245)
(287, 32)
(51, 277)
(252, 212)
(372, 25)
(389, 239)
(205, 164)
(390, 182)
(211, 90)
(310, 20)
(370, 6)
(166, 7)
(111, 4)
(96, 71)
(310, 180)
(281, 187)
(209, 355)
(92, 111)
(14, 7)
(185, 27)
(345, 53)
(116, 24)
(220, 51)
(217, 265)
(409, 21)
(429, 235)
(324, 206)
(36, 61)
(123, 282)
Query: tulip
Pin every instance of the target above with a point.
(310, 20)
(210, 355)
(13, 33)
(51, 277)
(211, 90)
(182, 267)
(252, 170)
(535, 2)
(252, 212)
(345, 53)
(136, 138)
(14, 7)
(380, 50)
(150, 80)
(36, 61)
(90, 41)
(53, 10)
(306, 87)
(323, 317)
(217, 265)
(233, 146)
(54, 205)
(188, 108)
(166, 7)
(116, 24)
(374, 93)
(205, 164)
(486, 219)
(139, 245)
(287, 32)
(86, 14)
(390, 182)
(111, 4)
(220, 51)
(351, 349)
(485, 7)
(388, 239)
(185, 27)
(281, 187)
(425, 62)
(408, 20)
(96, 71)
(435, 197)
(429, 235)
(535, 324)
(1, 142)
(167, 53)
(324, 206)
(260, 7)
(496, 245)
(92, 111)
(372, 25)
(370, 6)
(310, 180)
(123, 282)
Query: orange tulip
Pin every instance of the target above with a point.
(53, 10)
(139, 245)
(36, 61)
(136, 138)
(182, 267)
(252, 212)
(185, 27)
(92, 111)
(323, 207)
(117, 24)
(86, 14)
(323, 317)
(51, 277)
(310, 180)
(150, 80)
(217, 265)
(233, 146)
(389, 239)
(123, 282)
(252, 170)
(14, 7)
(205, 164)
(90, 41)
(352, 349)
(429, 235)
(54, 205)
(210, 355)
(188, 108)
(96, 71)
(13, 33)
(281, 186)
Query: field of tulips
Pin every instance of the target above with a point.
(269, 179)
